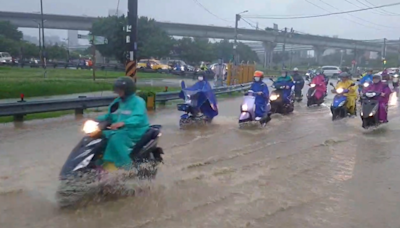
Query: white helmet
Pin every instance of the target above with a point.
(295, 69)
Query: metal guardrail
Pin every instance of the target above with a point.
(20, 109)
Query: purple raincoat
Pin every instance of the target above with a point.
(383, 101)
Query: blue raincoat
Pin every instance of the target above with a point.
(261, 100)
(287, 81)
(206, 100)
(132, 111)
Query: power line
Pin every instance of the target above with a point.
(340, 17)
(361, 19)
(380, 13)
(383, 10)
(321, 15)
(205, 8)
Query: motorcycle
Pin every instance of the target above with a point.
(247, 110)
(197, 104)
(279, 102)
(298, 91)
(311, 98)
(83, 165)
(369, 110)
(338, 108)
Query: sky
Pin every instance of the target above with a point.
(372, 24)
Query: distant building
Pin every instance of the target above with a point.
(115, 12)
(73, 38)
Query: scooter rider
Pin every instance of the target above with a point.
(383, 88)
(128, 124)
(320, 85)
(288, 80)
(395, 82)
(262, 97)
(345, 83)
(366, 79)
(299, 80)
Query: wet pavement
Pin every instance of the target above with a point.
(302, 170)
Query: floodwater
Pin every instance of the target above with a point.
(302, 170)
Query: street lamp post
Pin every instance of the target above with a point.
(67, 39)
(237, 19)
(43, 44)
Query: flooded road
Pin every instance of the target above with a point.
(302, 170)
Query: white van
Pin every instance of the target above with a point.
(5, 58)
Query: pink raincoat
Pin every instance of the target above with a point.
(320, 87)
(383, 101)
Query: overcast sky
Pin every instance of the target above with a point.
(357, 26)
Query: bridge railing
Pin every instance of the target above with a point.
(19, 109)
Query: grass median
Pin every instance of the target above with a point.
(32, 83)
(24, 73)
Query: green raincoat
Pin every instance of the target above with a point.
(133, 113)
(286, 78)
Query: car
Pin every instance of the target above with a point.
(389, 70)
(154, 64)
(5, 58)
(330, 71)
(182, 64)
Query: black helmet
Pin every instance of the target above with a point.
(125, 84)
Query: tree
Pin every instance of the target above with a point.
(194, 50)
(152, 40)
(56, 52)
(10, 31)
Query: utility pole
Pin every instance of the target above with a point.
(257, 26)
(44, 54)
(237, 19)
(284, 48)
(131, 39)
(398, 60)
(93, 57)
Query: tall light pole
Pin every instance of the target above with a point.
(43, 44)
(131, 39)
(237, 19)
(40, 40)
(67, 39)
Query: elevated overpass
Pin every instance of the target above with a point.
(268, 38)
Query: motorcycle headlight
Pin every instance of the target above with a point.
(340, 90)
(244, 107)
(342, 103)
(312, 85)
(182, 68)
(396, 75)
(307, 74)
(373, 111)
(90, 127)
(274, 97)
(366, 84)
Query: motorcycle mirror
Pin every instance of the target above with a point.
(332, 84)
(358, 79)
(271, 79)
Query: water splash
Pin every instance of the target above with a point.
(393, 99)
